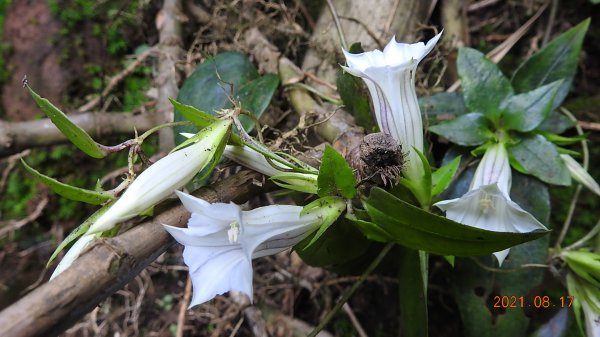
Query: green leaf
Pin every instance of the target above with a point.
(335, 175)
(68, 191)
(412, 293)
(562, 140)
(228, 74)
(419, 229)
(442, 177)
(557, 60)
(372, 231)
(336, 204)
(541, 158)
(192, 114)
(355, 98)
(437, 108)
(556, 123)
(332, 251)
(356, 48)
(466, 130)
(255, 97)
(484, 85)
(525, 112)
(72, 131)
(78, 232)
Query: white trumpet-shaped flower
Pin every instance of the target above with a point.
(221, 240)
(390, 78)
(487, 204)
(154, 185)
(165, 176)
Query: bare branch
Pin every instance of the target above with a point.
(16, 136)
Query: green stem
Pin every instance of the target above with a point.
(586, 160)
(351, 290)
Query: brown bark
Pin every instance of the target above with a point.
(107, 266)
(16, 136)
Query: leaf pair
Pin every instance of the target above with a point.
(521, 108)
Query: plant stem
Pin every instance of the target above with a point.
(351, 290)
(586, 161)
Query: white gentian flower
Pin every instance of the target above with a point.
(221, 240)
(152, 186)
(165, 176)
(246, 156)
(580, 174)
(390, 78)
(487, 205)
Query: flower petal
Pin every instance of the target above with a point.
(197, 237)
(494, 168)
(488, 208)
(400, 53)
(209, 218)
(215, 271)
(273, 223)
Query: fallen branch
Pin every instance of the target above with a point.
(107, 266)
(16, 136)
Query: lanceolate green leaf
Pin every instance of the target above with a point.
(192, 114)
(419, 229)
(72, 131)
(541, 158)
(442, 177)
(557, 60)
(527, 111)
(335, 175)
(68, 191)
(466, 130)
(484, 85)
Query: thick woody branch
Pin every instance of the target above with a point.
(16, 136)
(107, 266)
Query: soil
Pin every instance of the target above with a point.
(30, 29)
